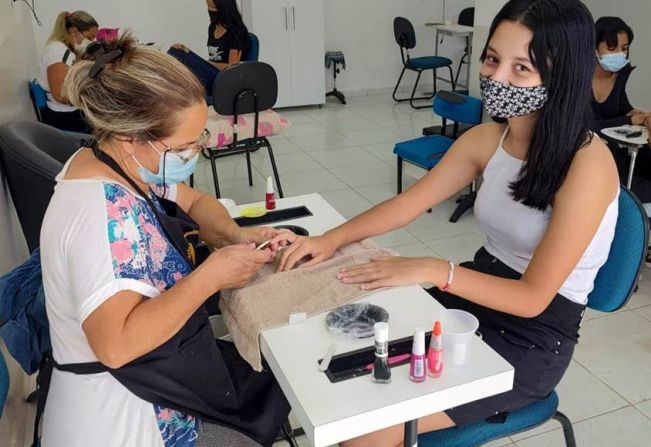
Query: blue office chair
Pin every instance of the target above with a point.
(38, 97)
(253, 52)
(613, 286)
(4, 383)
(405, 37)
(427, 151)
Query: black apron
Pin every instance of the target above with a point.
(192, 372)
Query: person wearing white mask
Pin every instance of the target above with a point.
(610, 103)
(70, 36)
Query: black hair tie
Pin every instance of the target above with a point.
(102, 58)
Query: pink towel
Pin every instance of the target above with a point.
(270, 298)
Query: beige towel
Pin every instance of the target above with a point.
(270, 298)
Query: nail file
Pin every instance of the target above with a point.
(265, 244)
(328, 356)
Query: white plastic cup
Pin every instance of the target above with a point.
(229, 204)
(458, 329)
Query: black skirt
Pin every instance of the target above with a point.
(539, 348)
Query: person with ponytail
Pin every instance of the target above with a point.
(228, 41)
(70, 36)
(548, 222)
(135, 360)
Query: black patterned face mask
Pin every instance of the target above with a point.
(507, 101)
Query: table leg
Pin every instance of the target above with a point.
(411, 433)
(631, 166)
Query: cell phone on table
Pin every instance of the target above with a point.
(622, 131)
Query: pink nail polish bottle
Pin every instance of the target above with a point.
(435, 354)
(417, 366)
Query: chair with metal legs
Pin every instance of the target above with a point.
(244, 88)
(405, 37)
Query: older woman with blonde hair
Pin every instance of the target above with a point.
(135, 359)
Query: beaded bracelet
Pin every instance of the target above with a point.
(448, 284)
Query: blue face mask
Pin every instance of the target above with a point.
(172, 167)
(613, 62)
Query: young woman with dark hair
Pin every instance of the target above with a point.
(228, 42)
(610, 102)
(548, 223)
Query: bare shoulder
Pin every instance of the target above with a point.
(480, 142)
(593, 169)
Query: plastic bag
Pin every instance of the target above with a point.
(355, 320)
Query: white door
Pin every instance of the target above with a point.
(269, 20)
(307, 51)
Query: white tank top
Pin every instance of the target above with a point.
(513, 230)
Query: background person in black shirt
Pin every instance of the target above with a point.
(610, 102)
(228, 41)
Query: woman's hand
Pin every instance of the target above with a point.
(318, 249)
(640, 118)
(236, 264)
(180, 46)
(258, 235)
(392, 271)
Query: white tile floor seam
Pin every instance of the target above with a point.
(329, 151)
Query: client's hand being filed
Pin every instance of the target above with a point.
(258, 235)
(389, 271)
(317, 249)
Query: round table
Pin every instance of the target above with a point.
(633, 144)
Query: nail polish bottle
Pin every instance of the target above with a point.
(381, 370)
(435, 354)
(417, 366)
(270, 196)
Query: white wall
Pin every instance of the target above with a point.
(363, 30)
(636, 13)
(17, 60)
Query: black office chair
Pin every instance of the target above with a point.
(405, 37)
(247, 87)
(31, 155)
(466, 18)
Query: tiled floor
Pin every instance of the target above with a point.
(344, 153)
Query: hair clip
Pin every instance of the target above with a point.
(103, 59)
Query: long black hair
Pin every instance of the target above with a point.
(562, 50)
(230, 18)
(607, 29)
